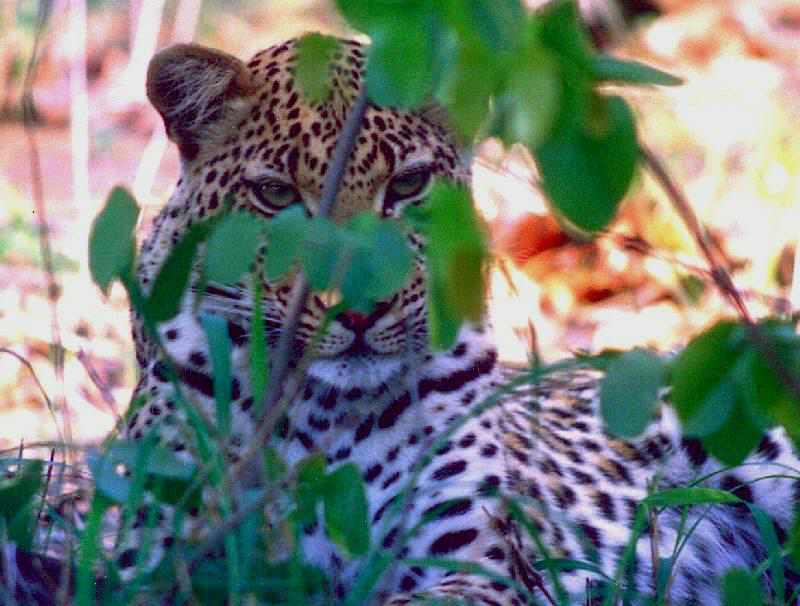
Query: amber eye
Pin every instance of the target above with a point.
(408, 184)
(275, 193)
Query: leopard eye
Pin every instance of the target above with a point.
(275, 193)
(408, 184)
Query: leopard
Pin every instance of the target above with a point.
(490, 471)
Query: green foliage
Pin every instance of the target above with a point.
(529, 78)
(343, 496)
(89, 551)
(111, 242)
(769, 539)
(600, 162)
(172, 279)
(793, 544)
(676, 497)
(456, 257)
(259, 360)
(19, 497)
(219, 345)
(286, 236)
(367, 259)
(380, 261)
(536, 78)
(312, 69)
(739, 587)
(405, 82)
(159, 467)
(727, 393)
(347, 519)
(607, 68)
(629, 394)
(232, 247)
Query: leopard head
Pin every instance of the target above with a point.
(246, 129)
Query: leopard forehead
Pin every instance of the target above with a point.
(282, 134)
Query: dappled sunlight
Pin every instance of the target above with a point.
(725, 135)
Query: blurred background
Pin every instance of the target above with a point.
(727, 137)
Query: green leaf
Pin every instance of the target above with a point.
(232, 247)
(325, 253)
(715, 409)
(166, 473)
(607, 68)
(562, 32)
(406, 82)
(794, 540)
(17, 500)
(709, 395)
(312, 69)
(497, 22)
(310, 473)
(466, 88)
(274, 465)
(629, 393)
(736, 439)
(766, 395)
(172, 279)
(89, 551)
(528, 108)
(18, 490)
(259, 361)
(456, 254)
(359, 13)
(739, 587)
(159, 459)
(443, 322)
(586, 172)
(111, 243)
(703, 365)
(769, 539)
(219, 345)
(676, 497)
(346, 509)
(380, 261)
(107, 481)
(393, 255)
(287, 231)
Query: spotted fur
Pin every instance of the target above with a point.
(377, 396)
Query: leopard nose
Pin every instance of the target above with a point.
(354, 320)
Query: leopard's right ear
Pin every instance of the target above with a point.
(199, 92)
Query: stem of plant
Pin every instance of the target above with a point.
(300, 290)
(273, 407)
(719, 274)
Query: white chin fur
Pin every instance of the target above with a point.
(356, 371)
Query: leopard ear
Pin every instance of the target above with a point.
(199, 92)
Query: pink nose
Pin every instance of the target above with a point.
(354, 320)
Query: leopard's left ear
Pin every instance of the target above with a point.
(199, 93)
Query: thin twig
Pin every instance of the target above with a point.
(22, 360)
(28, 119)
(300, 290)
(37, 188)
(273, 404)
(710, 250)
(654, 551)
(719, 274)
(97, 380)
